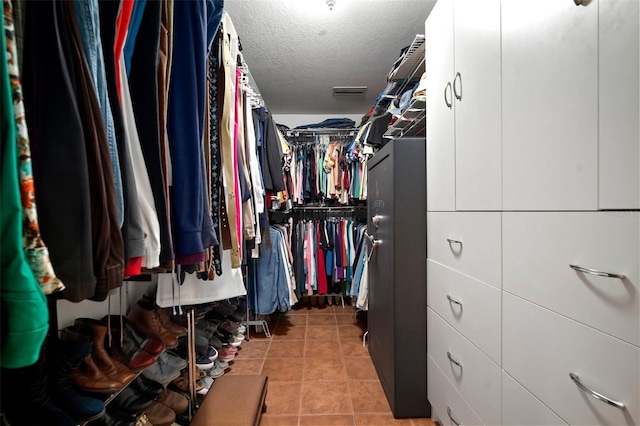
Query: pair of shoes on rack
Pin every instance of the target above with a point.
(129, 345)
(97, 372)
(151, 319)
(175, 401)
(166, 368)
(227, 353)
(182, 383)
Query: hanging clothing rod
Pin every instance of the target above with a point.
(314, 132)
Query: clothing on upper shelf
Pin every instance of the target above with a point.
(326, 169)
(331, 123)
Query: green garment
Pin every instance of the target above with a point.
(25, 317)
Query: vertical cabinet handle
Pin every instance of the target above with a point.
(458, 77)
(459, 364)
(446, 100)
(451, 417)
(452, 300)
(595, 394)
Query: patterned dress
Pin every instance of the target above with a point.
(36, 251)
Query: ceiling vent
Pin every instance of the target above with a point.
(349, 90)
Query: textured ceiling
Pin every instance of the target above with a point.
(298, 50)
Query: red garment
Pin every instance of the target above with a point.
(322, 272)
(134, 267)
(122, 26)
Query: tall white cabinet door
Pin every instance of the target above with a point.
(440, 118)
(477, 85)
(549, 105)
(619, 91)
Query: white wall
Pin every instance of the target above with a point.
(293, 120)
(69, 311)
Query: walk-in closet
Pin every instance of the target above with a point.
(320, 212)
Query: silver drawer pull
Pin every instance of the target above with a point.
(596, 272)
(595, 394)
(451, 417)
(452, 300)
(453, 360)
(450, 241)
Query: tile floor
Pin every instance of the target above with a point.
(319, 372)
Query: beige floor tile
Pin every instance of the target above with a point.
(325, 398)
(333, 420)
(283, 369)
(353, 348)
(269, 420)
(329, 348)
(380, 420)
(348, 319)
(323, 369)
(289, 331)
(350, 332)
(245, 367)
(254, 349)
(360, 369)
(322, 310)
(286, 349)
(283, 398)
(321, 320)
(292, 319)
(321, 332)
(368, 397)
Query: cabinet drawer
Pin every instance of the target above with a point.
(477, 377)
(449, 406)
(541, 349)
(468, 242)
(520, 407)
(471, 307)
(539, 247)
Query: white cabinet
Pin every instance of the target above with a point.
(540, 247)
(619, 134)
(521, 407)
(468, 242)
(533, 212)
(447, 403)
(440, 119)
(463, 114)
(541, 349)
(476, 87)
(549, 105)
(471, 372)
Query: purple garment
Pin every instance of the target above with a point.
(190, 259)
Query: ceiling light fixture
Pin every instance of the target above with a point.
(331, 3)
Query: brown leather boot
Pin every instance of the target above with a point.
(160, 415)
(165, 320)
(89, 378)
(112, 368)
(148, 321)
(149, 303)
(173, 400)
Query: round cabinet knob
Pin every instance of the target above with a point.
(376, 221)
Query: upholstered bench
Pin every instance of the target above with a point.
(233, 400)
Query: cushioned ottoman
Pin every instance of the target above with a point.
(233, 400)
